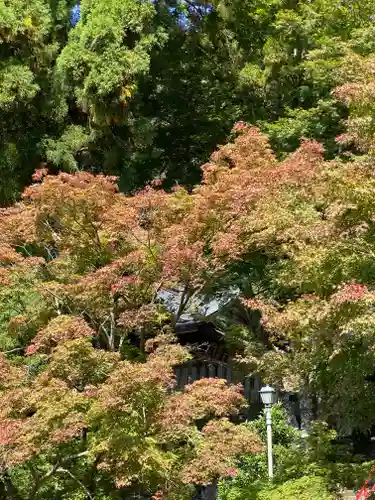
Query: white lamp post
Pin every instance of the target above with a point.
(268, 395)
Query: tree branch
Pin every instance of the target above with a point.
(54, 468)
(13, 350)
(185, 297)
(66, 471)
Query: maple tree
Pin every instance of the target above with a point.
(93, 418)
(89, 406)
(88, 265)
(91, 263)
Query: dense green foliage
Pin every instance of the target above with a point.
(148, 88)
(82, 271)
(281, 220)
(312, 467)
(306, 488)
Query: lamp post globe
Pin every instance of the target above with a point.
(268, 395)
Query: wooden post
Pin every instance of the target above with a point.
(229, 374)
(211, 370)
(247, 388)
(194, 373)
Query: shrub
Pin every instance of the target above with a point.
(304, 488)
(282, 433)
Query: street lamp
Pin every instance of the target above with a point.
(268, 396)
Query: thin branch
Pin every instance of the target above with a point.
(142, 342)
(195, 7)
(77, 455)
(122, 339)
(96, 232)
(94, 238)
(104, 330)
(23, 247)
(142, 243)
(66, 471)
(112, 330)
(186, 296)
(39, 480)
(54, 468)
(55, 296)
(158, 288)
(13, 350)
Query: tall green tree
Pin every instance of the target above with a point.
(147, 89)
(31, 34)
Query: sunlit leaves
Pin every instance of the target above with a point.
(80, 365)
(298, 233)
(59, 330)
(99, 61)
(224, 438)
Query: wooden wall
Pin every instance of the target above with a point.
(197, 369)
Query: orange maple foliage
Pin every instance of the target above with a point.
(95, 263)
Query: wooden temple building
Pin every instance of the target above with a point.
(211, 359)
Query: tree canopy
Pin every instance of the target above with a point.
(146, 88)
(111, 128)
(83, 266)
